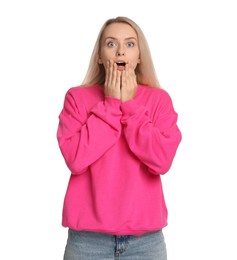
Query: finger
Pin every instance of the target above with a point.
(110, 71)
(106, 73)
(114, 74)
(132, 74)
(118, 79)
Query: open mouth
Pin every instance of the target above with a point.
(120, 63)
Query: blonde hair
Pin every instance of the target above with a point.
(145, 70)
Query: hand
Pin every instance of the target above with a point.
(129, 83)
(112, 80)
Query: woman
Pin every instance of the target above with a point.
(118, 134)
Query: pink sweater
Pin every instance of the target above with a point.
(116, 153)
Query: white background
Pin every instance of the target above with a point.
(45, 48)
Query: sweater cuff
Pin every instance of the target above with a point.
(129, 107)
(112, 102)
(131, 110)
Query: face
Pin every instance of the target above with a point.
(119, 43)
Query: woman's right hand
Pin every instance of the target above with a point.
(112, 86)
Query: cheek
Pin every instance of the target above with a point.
(136, 56)
(136, 60)
(108, 53)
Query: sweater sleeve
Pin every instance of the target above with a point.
(153, 140)
(84, 137)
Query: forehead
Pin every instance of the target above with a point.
(119, 30)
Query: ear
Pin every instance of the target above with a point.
(100, 61)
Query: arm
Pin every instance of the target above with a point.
(84, 137)
(153, 140)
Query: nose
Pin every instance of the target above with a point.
(120, 51)
(120, 54)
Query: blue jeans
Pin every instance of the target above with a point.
(83, 245)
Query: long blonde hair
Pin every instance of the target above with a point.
(145, 70)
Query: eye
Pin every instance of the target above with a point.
(130, 44)
(111, 44)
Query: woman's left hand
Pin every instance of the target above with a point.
(128, 83)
